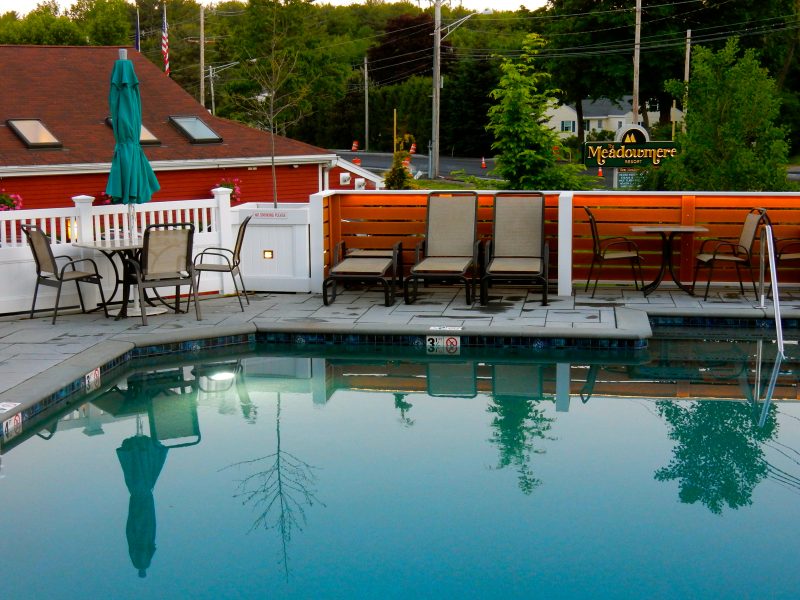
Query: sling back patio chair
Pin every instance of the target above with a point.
(730, 252)
(48, 272)
(166, 261)
(225, 260)
(517, 252)
(612, 249)
(449, 252)
(362, 268)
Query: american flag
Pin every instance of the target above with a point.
(165, 42)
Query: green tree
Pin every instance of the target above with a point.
(104, 22)
(732, 141)
(523, 142)
(398, 177)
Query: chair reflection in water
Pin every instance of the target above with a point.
(170, 402)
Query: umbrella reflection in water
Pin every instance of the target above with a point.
(141, 458)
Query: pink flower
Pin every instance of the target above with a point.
(10, 201)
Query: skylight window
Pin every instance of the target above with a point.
(33, 133)
(146, 137)
(195, 129)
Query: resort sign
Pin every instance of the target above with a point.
(631, 148)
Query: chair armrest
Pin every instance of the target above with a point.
(419, 251)
(720, 245)
(72, 264)
(787, 244)
(209, 252)
(339, 253)
(487, 253)
(619, 241)
(397, 248)
(214, 251)
(476, 252)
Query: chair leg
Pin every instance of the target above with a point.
(329, 282)
(739, 276)
(589, 278)
(633, 272)
(244, 291)
(193, 292)
(596, 279)
(696, 272)
(141, 296)
(103, 298)
(236, 287)
(485, 290)
(58, 299)
(80, 296)
(708, 283)
(753, 279)
(35, 292)
(388, 291)
(409, 281)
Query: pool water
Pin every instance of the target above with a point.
(386, 474)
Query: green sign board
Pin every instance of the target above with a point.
(622, 154)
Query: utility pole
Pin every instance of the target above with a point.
(636, 43)
(437, 87)
(211, 86)
(202, 56)
(686, 73)
(366, 107)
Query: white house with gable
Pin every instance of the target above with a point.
(597, 114)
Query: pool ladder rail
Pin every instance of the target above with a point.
(767, 253)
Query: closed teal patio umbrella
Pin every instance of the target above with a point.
(131, 180)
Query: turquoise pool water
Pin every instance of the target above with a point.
(381, 474)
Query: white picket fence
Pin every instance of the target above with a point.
(214, 220)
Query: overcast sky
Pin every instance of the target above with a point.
(23, 6)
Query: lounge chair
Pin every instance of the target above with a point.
(362, 268)
(450, 248)
(517, 252)
(738, 253)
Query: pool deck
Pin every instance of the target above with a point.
(37, 357)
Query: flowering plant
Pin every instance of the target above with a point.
(101, 199)
(235, 185)
(10, 201)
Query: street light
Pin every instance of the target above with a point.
(437, 75)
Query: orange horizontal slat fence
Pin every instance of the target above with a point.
(379, 219)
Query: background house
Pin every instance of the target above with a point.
(597, 114)
(66, 89)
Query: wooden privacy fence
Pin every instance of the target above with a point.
(378, 219)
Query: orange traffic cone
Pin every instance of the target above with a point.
(599, 171)
(354, 148)
(483, 163)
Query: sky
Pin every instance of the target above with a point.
(24, 6)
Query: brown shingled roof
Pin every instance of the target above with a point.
(67, 89)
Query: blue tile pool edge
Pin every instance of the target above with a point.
(11, 425)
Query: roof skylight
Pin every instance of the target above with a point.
(33, 133)
(146, 137)
(195, 129)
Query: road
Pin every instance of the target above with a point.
(380, 162)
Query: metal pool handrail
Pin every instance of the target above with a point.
(768, 243)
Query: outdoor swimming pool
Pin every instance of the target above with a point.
(388, 474)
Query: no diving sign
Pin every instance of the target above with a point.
(443, 344)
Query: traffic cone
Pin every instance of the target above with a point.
(599, 171)
(483, 163)
(355, 146)
(413, 149)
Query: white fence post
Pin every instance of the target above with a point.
(565, 244)
(85, 227)
(316, 243)
(222, 197)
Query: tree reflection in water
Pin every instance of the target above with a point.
(280, 492)
(718, 459)
(403, 406)
(517, 424)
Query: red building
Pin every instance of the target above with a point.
(63, 90)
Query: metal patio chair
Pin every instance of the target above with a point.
(517, 252)
(449, 252)
(48, 272)
(730, 252)
(166, 261)
(612, 249)
(225, 260)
